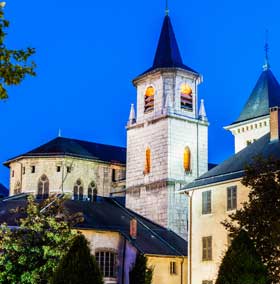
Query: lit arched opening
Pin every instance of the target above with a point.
(187, 159)
(149, 99)
(78, 191)
(147, 168)
(186, 97)
(92, 191)
(43, 187)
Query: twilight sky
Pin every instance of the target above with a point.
(89, 51)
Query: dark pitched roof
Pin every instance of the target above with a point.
(109, 215)
(168, 53)
(3, 191)
(233, 167)
(266, 94)
(78, 148)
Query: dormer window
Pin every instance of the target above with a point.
(149, 99)
(186, 97)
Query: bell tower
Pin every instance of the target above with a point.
(167, 137)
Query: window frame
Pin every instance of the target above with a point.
(173, 268)
(206, 202)
(109, 271)
(207, 248)
(231, 198)
(148, 109)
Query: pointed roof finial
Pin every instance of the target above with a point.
(202, 113)
(266, 49)
(166, 8)
(132, 117)
(59, 132)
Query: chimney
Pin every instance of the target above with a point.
(133, 228)
(274, 123)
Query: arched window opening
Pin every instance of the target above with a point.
(149, 99)
(186, 97)
(17, 189)
(107, 262)
(187, 159)
(78, 192)
(92, 191)
(43, 187)
(147, 169)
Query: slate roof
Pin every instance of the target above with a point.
(266, 94)
(233, 167)
(77, 148)
(109, 215)
(168, 54)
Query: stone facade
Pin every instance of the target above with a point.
(63, 172)
(248, 131)
(166, 131)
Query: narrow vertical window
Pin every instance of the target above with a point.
(17, 189)
(92, 191)
(187, 159)
(186, 97)
(32, 169)
(147, 169)
(206, 202)
(43, 187)
(172, 268)
(231, 198)
(207, 248)
(149, 99)
(78, 191)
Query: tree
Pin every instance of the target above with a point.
(30, 252)
(260, 215)
(78, 265)
(14, 64)
(242, 264)
(140, 273)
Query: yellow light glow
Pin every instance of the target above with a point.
(187, 159)
(186, 89)
(150, 91)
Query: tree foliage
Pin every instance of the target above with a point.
(31, 251)
(78, 265)
(260, 215)
(14, 64)
(140, 273)
(242, 264)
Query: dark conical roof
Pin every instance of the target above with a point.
(168, 53)
(265, 95)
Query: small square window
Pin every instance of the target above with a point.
(173, 268)
(68, 169)
(32, 169)
(58, 168)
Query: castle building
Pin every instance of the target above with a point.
(219, 192)
(167, 138)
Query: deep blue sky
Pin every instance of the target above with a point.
(89, 51)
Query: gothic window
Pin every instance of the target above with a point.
(186, 97)
(43, 187)
(147, 168)
(78, 191)
(17, 189)
(187, 159)
(92, 191)
(149, 99)
(107, 262)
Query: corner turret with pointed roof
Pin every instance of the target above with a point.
(253, 121)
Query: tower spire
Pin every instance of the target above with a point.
(166, 8)
(266, 50)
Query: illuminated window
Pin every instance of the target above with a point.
(92, 191)
(78, 191)
(147, 169)
(187, 159)
(17, 189)
(43, 187)
(207, 248)
(149, 99)
(107, 262)
(186, 97)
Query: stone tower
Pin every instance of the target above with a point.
(167, 138)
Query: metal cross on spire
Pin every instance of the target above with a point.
(266, 50)
(166, 8)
